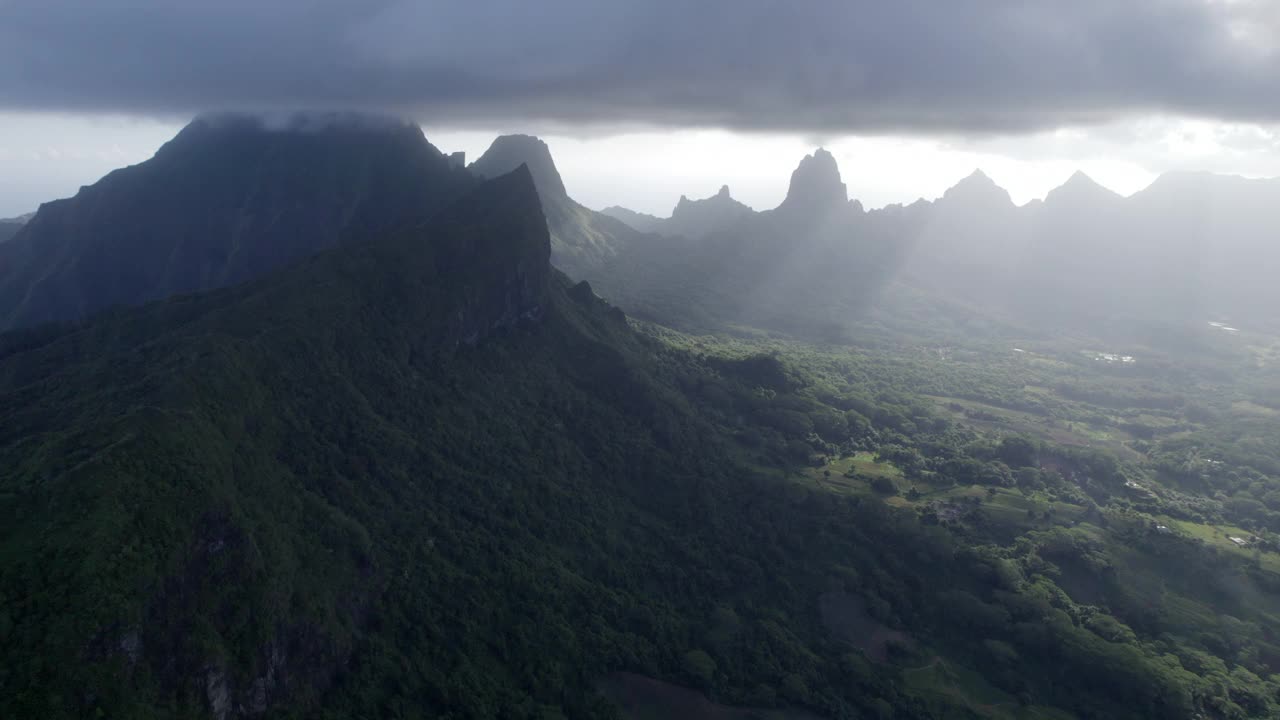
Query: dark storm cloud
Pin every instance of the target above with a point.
(807, 65)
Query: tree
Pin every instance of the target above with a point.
(699, 666)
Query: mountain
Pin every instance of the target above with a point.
(1082, 193)
(697, 218)
(581, 239)
(230, 197)
(1191, 249)
(642, 222)
(816, 188)
(690, 218)
(421, 471)
(763, 269)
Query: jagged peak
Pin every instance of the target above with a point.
(510, 151)
(816, 183)
(721, 198)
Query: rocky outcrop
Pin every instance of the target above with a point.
(690, 218)
(509, 152)
(815, 186)
(582, 240)
(698, 218)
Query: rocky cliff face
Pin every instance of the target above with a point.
(490, 259)
(511, 151)
(228, 199)
(582, 240)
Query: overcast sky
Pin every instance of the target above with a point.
(643, 100)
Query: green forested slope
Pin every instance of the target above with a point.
(364, 484)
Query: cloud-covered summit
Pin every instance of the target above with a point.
(817, 66)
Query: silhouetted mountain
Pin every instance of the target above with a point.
(642, 222)
(815, 186)
(1193, 247)
(227, 199)
(753, 268)
(977, 192)
(1081, 192)
(511, 151)
(690, 218)
(581, 239)
(696, 218)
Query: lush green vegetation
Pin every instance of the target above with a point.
(1125, 501)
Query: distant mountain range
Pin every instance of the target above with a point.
(1190, 249)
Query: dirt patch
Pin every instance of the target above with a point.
(644, 698)
(846, 616)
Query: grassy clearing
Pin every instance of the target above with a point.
(1219, 536)
(865, 463)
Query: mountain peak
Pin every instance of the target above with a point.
(696, 218)
(978, 187)
(1079, 176)
(509, 152)
(1080, 188)
(196, 216)
(722, 198)
(816, 184)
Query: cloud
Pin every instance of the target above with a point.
(819, 66)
